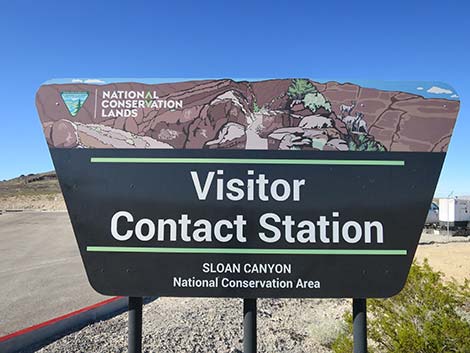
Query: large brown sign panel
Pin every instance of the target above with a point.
(235, 188)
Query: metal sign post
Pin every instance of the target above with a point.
(135, 325)
(360, 325)
(249, 326)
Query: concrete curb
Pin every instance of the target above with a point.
(37, 336)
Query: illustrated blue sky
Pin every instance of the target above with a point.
(360, 41)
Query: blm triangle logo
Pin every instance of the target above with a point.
(74, 101)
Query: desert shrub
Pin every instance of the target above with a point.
(364, 143)
(326, 333)
(314, 101)
(427, 316)
(299, 88)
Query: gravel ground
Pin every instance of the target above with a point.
(215, 325)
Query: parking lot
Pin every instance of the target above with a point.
(41, 272)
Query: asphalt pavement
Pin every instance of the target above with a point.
(41, 272)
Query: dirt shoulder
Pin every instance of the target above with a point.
(32, 192)
(44, 202)
(453, 259)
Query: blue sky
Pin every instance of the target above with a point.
(368, 40)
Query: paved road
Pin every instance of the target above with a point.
(41, 272)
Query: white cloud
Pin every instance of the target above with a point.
(77, 80)
(94, 80)
(439, 90)
(454, 96)
(419, 88)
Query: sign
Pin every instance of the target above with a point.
(226, 188)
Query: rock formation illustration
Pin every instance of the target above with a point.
(284, 114)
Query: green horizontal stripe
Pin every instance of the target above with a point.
(124, 249)
(249, 161)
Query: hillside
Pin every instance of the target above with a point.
(31, 192)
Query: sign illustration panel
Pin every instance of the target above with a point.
(236, 188)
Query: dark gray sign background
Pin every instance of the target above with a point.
(397, 196)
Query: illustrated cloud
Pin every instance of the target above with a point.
(454, 96)
(439, 90)
(419, 88)
(94, 80)
(90, 80)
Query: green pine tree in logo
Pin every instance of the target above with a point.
(77, 107)
(74, 101)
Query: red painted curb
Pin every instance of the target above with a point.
(57, 319)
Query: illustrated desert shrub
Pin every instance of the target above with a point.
(318, 143)
(256, 107)
(299, 88)
(314, 101)
(364, 143)
(429, 315)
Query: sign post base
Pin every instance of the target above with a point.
(360, 325)
(249, 326)
(135, 325)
